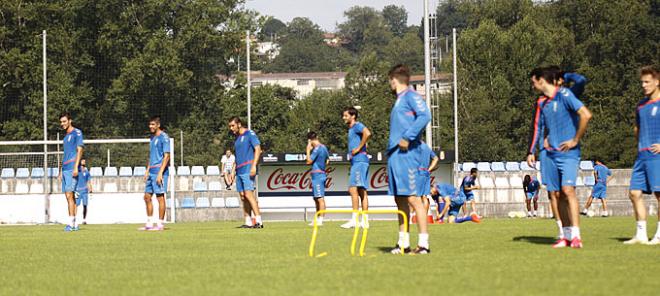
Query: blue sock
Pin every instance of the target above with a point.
(464, 219)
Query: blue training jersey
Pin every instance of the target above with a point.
(72, 141)
(158, 146)
(354, 139)
(579, 82)
(447, 190)
(426, 154)
(83, 178)
(468, 181)
(319, 156)
(602, 172)
(409, 117)
(648, 124)
(533, 186)
(559, 118)
(244, 146)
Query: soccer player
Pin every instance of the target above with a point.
(157, 174)
(228, 168)
(408, 118)
(358, 136)
(317, 156)
(467, 185)
(450, 201)
(532, 188)
(83, 188)
(248, 150)
(602, 175)
(73, 152)
(428, 163)
(646, 170)
(565, 118)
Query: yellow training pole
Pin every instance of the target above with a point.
(365, 232)
(315, 231)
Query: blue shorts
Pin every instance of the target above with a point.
(469, 196)
(153, 187)
(318, 185)
(244, 182)
(531, 195)
(423, 184)
(83, 197)
(646, 173)
(69, 182)
(558, 171)
(359, 175)
(599, 191)
(402, 169)
(454, 209)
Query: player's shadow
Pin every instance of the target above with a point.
(621, 239)
(385, 249)
(541, 240)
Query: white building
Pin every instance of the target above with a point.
(303, 83)
(268, 49)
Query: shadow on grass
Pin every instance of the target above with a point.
(540, 240)
(385, 249)
(621, 239)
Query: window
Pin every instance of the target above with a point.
(302, 82)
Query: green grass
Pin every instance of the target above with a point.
(497, 257)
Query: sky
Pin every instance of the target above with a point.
(328, 13)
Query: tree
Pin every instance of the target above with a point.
(408, 50)
(271, 28)
(365, 30)
(396, 18)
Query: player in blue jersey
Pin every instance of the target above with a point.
(646, 170)
(317, 156)
(248, 150)
(408, 118)
(157, 174)
(532, 187)
(358, 136)
(468, 184)
(73, 152)
(84, 188)
(428, 162)
(602, 175)
(450, 201)
(565, 118)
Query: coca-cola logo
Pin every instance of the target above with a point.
(281, 180)
(379, 178)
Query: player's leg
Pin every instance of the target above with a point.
(473, 205)
(656, 237)
(247, 209)
(469, 218)
(318, 192)
(605, 213)
(69, 187)
(587, 205)
(551, 178)
(225, 177)
(254, 205)
(404, 236)
(355, 204)
(451, 219)
(422, 226)
(85, 202)
(536, 205)
(528, 205)
(320, 206)
(161, 211)
(638, 184)
(568, 169)
(364, 200)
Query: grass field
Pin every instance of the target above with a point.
(497, 257)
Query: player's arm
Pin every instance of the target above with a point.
(434, 163)
(366, 134)
(445, 209)
(79, 154)
(309, 155)
(535, 134)
(585, 116)
(163, 166)
(255, 161)
(89, 185)
(578, 81)
(422, 118)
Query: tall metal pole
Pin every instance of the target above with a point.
(181, 147)
(455, 102)
(249, 81)
(45, 90)
(427, 69)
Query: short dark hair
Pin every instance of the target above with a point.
(550, 74)
(155, 118)
(473, 170)
(236, 119)
(65, 114)
(312, 136)
(650, 70)
(401, 73)
(352, 111)
(526, 180)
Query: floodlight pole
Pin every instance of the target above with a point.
(45, 90)
(427, 71)
(249, 81)
(455, 102)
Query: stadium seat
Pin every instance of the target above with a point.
(586, 165)
(168, 203)
(110, 172)
(512, 166)
(589, 181)
(218, 202)
(497, 167)
(37, 173)
(516, 181)
(486, 182)
(188, 203)
(213, 170)
(96, 172)
(139, 171)
(483, 166)
(467, 166)
(197, 171)
(7, 173)
(202, 202)
(22, 173)
(199, 187)
(183, 171)
(184, 184)
(525, 167)
(215, 186)
(232, 202)
(53, 172)
(502, 182)
(125, 172)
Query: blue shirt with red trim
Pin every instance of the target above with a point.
(648, 123)
(83, 179)
(602, 172)
(558, 117)
(244, 146)
(354, 140)
(72, 141)
(408, 118)
(468, 181)
(319, 156)
(426, 155)
(158, 146)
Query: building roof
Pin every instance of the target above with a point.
(436, 77)
(308, 75)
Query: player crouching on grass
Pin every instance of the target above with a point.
(317, 156)
(451, 203)
(157, 175)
